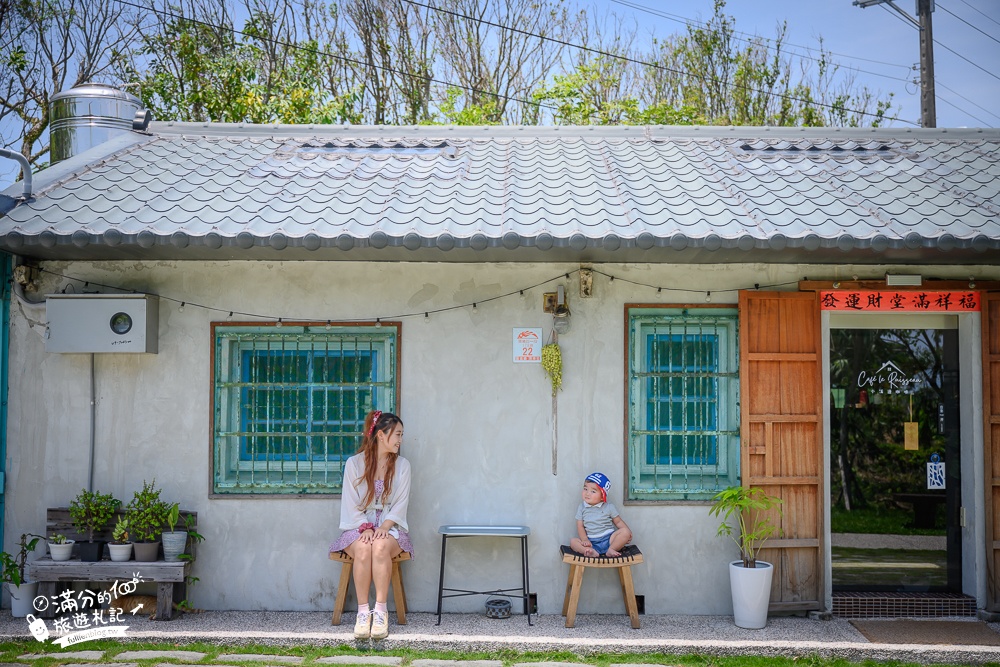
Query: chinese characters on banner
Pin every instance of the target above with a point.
(900, 301)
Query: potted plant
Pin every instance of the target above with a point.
(91, 512)
(146, 516)
(174, 541)
(60, 548)
(22, 592)
(750, 579)
(120, 547)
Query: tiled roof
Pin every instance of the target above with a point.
(192, 191)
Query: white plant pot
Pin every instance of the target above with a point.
(61, 552)
(751, 587)
(173, 544)
(21, 599)
(120, 552)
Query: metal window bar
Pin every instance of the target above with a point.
(275, 390)
(687, 383)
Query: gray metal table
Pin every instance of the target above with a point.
(520, 532)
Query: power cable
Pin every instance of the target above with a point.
(643, 63)
(353, 61)
(966, 99)
(982, 122)
(980, 11)
(974, 27)
(749, 37)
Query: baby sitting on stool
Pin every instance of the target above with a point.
(602, 532)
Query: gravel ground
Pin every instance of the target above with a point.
(593, 634)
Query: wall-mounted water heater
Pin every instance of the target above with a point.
(102, 323)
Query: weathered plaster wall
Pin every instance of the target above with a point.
(477, 426)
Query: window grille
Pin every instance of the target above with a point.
(683, 385)
(290, 403)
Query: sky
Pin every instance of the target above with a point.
(877, 41)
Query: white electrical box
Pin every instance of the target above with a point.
(102, 323)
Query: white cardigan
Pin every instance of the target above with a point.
(353, 515)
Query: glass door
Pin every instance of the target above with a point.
(894, 468)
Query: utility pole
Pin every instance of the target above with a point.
(928, 103)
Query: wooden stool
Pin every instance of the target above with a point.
(630, 556)
(398, 592)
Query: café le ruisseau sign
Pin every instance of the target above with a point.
(893, 301)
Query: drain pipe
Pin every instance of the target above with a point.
(25, 169)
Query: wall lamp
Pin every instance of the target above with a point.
(561, 315)
(903, 280)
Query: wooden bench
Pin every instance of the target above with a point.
(398, 592)
(577, 563)
(171, 578)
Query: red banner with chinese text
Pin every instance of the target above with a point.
(916, 301)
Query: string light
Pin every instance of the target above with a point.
(475, 305)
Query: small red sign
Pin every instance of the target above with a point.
(916, 301)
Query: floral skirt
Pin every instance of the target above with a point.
(348, 537)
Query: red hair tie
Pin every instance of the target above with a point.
(375, 417)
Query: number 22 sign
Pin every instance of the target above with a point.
(527, 345)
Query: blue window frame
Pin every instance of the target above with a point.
(683, 433)
(290, 401)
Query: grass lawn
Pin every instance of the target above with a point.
(879, 521)
(11, 650)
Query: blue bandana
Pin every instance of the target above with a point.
(601, 480)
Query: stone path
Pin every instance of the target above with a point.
(276, 660)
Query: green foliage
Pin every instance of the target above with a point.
(121, 532)
(57, 539)
(91, 511)
(146, 513)
(173, 514)
(485, 113)
(12, 566)
(752, 508)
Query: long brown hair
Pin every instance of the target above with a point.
(377, 421)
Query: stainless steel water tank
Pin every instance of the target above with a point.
(88, 115)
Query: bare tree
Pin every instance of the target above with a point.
(51, 46)
(495, 50)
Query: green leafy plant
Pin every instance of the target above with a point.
(120, 534)
(57, 539)
(91, 511)
(147, 513)
(751, 507)
(173, 515)
(12, 567)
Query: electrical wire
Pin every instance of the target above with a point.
(980, 11)
(345, 59)
(974, 27)
(749, 38)
(966, 99)
(644, 63)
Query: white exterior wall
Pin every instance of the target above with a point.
(478, 428)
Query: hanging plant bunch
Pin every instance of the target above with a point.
(552, 365)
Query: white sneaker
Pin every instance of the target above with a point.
(363, 625)
(380, 626)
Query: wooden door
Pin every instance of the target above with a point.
(991, 442)
(781, 434)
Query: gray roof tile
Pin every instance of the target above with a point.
(642, 194)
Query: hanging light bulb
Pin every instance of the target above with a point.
(328, 325)
(475, 308)
(708, 296)
(229, 318)
(378, 322)
(181, 309)
(279, 324)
